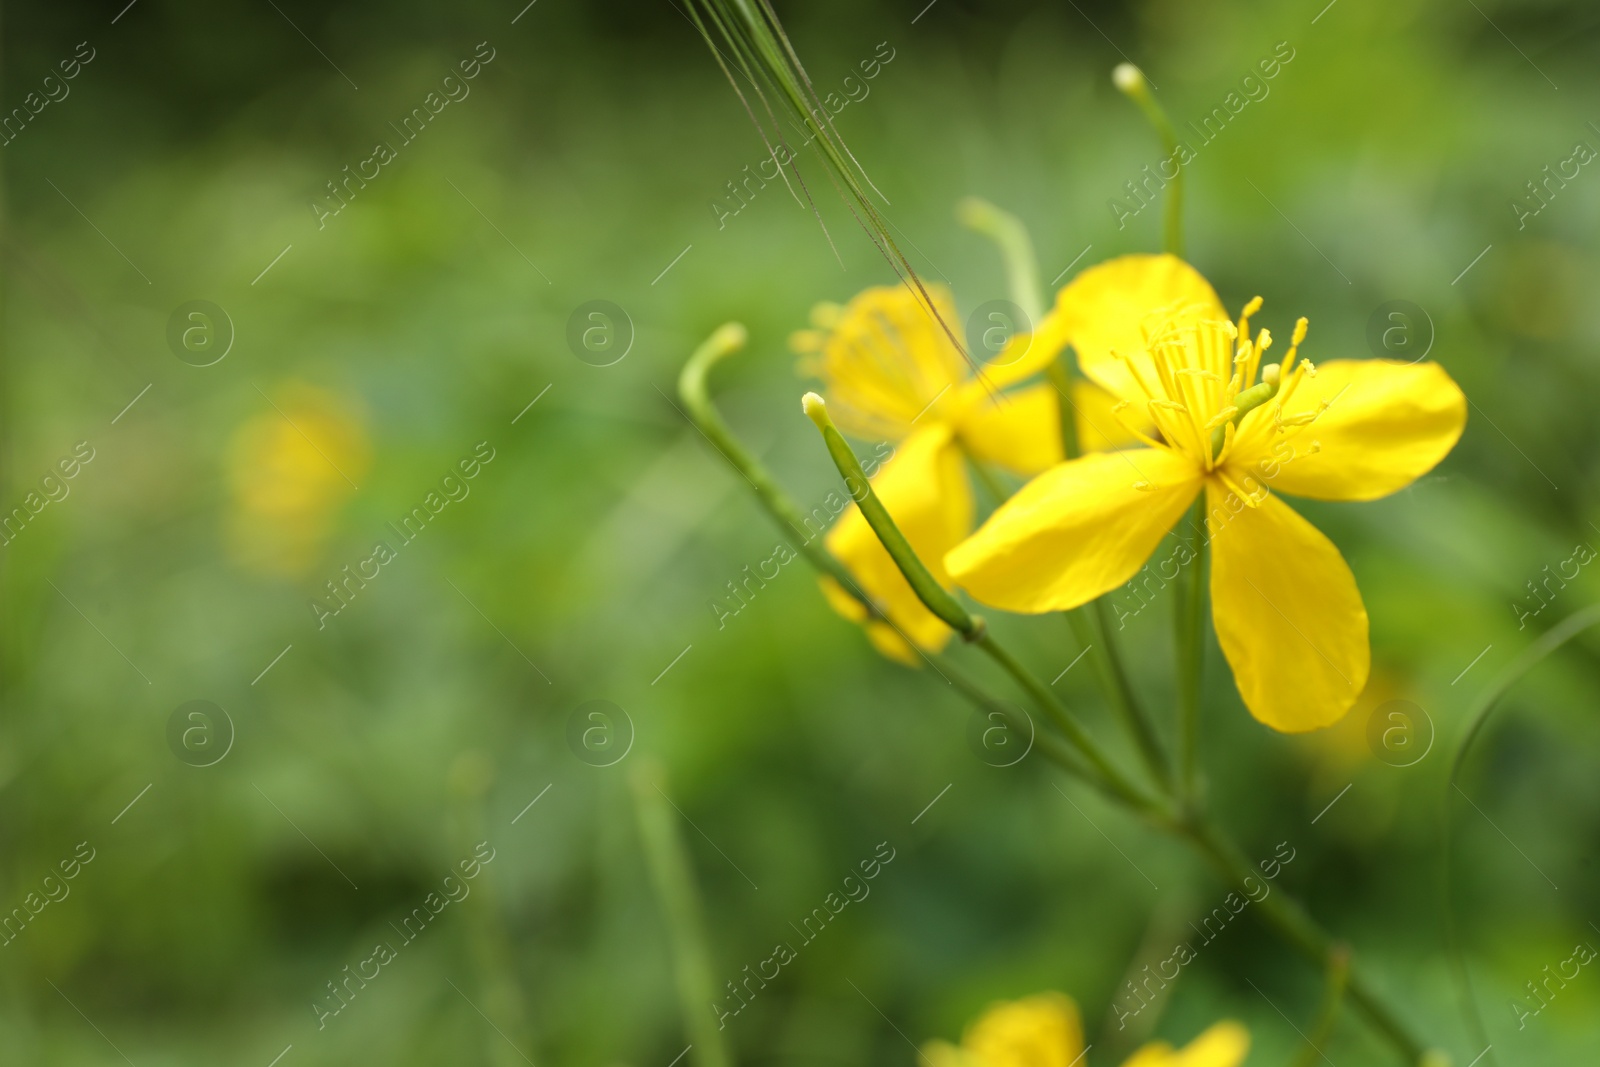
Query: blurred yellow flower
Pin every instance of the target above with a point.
(1044, 1031)
(289, 470)
(890, 372)
(1288, 615)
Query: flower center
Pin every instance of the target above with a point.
(1201, 377)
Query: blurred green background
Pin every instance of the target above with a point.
(381, 349)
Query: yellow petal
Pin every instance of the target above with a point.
(925, 489)
(1038, 1031)
(886, 361)
(1288, 614)
(1223, 1045)
(1098, 429)
(1078, 530)
(1104, 309)
(1020, 431)
(1386, 425)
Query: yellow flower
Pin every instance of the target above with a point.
(1287, 611)
(890, 372)
(1043, 1031)
(286, 472)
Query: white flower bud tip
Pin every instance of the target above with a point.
(1127, 77)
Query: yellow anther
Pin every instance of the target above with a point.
(1244, 316)
(1300, 327)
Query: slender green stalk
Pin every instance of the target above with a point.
(1016, 251)
(1189, 615)
(1328, 1014)
(1131, 80)
(1046, 744)
(489, 938)
(1115, 781)
(726, 340)
(937, 598)
(1061, 378)
(1531, 657)
(680, 903)
(1088, 625)
(1022, 281)
(1286, 915)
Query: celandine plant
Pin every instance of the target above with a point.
(1190, 416)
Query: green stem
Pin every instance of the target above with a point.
(1131, 81)
(1477, 717)
(726, 340)
(1089, 628)
(1190, 617)
(1016, 250)
(1061, 378)
(1089, 623)
(1114, 780)
(1286, 915)
(680, 902)
(1046, 744)
(1022, 279)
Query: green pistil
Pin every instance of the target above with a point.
(1246, 402)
